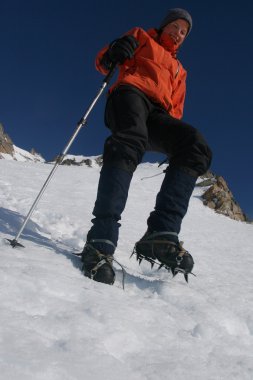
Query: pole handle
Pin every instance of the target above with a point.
(110, 74)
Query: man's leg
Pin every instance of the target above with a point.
(126, 115)
(189, 157)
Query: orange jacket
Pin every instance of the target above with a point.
(155, 70)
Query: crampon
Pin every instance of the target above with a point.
(165, 254)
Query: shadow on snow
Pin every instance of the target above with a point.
(11, 222)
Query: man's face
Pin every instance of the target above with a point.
(177, 31)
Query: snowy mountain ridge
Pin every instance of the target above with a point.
(9, 151)
(22, 155)
(55, 324)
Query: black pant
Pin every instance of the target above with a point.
(139, 125)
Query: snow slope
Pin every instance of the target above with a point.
(55, 324)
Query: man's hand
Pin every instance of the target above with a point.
(121, 49)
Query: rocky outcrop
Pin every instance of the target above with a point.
(72, 161)
(219, 197)
(9, 151)
(79, 161)
(6, 144)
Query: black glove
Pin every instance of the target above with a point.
(121, 49)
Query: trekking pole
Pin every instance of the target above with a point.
(60, 158)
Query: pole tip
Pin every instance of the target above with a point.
(14, 243)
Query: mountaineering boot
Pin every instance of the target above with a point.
(97, 255)
(164, 247)
(97, 266)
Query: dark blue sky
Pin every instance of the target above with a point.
(48, 76)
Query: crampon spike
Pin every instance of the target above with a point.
(186, 277)
(160, 266)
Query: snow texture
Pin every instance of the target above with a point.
(55, 324)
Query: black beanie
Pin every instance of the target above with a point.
(174, 14)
